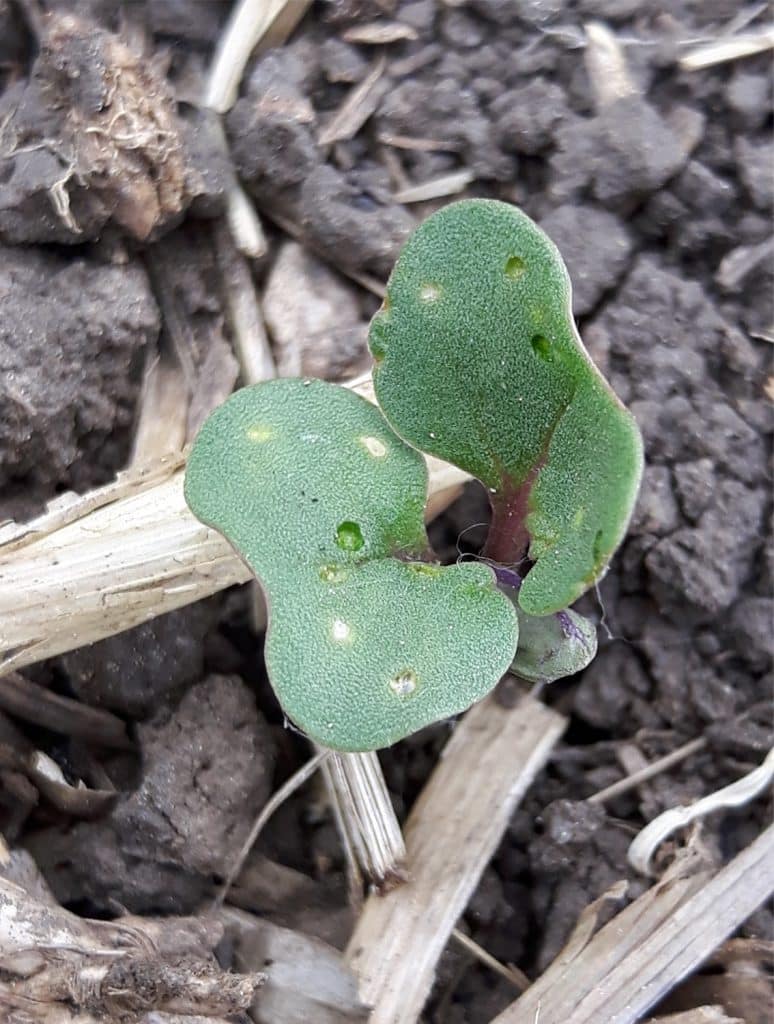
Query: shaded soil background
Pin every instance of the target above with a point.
(111, 178)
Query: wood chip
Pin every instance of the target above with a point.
(416, 61)
(356, 108)
(378, 32)
(398, 177)
(419, 145)
(314, 317)
(699, 1015)
(637, 958)
(307, 981)
(24, 699)
(737, 264)
(452, 832)
(606, 66)
(446, 185)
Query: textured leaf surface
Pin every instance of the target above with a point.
(478, 361)
(366, 644)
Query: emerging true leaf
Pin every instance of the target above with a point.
(478, 361)
(553, 646)
(366, 643)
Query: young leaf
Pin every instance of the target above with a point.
(366, 644)
(550, 646)
(553, 646)
(478, 361)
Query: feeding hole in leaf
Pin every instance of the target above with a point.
(349, 536)
(429, 292)
(374, 446)
(404, 683)
(541, 346)
(515, 267)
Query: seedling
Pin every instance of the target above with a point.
(477, 360)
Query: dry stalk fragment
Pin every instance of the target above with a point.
(33, 703)
(606, 65)
(138, 554)
(447, 185)
(485, 769)
(639, 956)
(644, 846)
(729, 48)
(357, 108)
(370, 832)
(56, 962)
(250, 22)
(648, 771)
(701, 1015)
(376, 33)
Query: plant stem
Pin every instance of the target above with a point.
(451, 833)
(508, 539)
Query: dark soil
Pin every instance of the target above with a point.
(661, 203)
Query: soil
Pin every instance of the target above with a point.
(660, 201)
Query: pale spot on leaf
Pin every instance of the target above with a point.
(374, 447)
(341, 631)
(260, 433)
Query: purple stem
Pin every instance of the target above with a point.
(508, 577)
